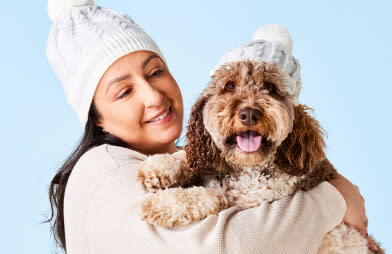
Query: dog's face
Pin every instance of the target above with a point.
(244, 116)
(248, 112)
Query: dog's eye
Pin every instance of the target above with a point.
(230, 86)
(270, 87)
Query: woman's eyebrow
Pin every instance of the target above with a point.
(145, 62)
(111, 83)
(148, 60)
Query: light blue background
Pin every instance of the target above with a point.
(344, 48)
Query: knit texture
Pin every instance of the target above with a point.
(270, 43)
(101, 216)
(82, 44)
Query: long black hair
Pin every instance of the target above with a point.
(93, 136)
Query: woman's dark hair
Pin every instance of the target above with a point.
(93, 136)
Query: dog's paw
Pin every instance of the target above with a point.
(160, 212)
(181, 206)
(345, 239)
(162, 171)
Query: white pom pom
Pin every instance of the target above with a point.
(57, 8)
(275, 33)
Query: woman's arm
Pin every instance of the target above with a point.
(294, 224)
(355, 215)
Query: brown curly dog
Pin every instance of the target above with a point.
(247, 143)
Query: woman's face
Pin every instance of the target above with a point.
(140, 102)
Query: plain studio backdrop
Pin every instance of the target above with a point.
(344, 48)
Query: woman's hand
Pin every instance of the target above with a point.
(355, 214)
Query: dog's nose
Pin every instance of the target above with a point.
(249, 116)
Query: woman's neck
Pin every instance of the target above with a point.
(172, 148)
(168, 148)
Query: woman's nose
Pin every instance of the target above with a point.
(150, 95)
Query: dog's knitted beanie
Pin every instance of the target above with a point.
(84, 41)
(270, 43)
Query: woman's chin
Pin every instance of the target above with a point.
(163, 143)
(170, 135)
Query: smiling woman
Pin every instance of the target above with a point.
(137, 98)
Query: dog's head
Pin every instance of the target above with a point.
(246, 115)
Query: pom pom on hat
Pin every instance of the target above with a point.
(56, 8)
(270, 43)
(275, 33)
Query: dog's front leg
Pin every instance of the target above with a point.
(161, 171)
(181, 206)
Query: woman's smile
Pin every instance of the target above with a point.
(162, 118)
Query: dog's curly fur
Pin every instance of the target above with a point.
(291, 155)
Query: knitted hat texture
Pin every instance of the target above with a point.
(84, 41)
(270, 43)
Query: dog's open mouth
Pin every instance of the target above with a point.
(248, 141)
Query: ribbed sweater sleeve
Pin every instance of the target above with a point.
(101, 216)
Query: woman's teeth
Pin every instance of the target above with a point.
(161, 116)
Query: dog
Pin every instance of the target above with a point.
(247, 143)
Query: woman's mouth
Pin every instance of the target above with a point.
(164, 117)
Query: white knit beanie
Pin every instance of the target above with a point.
(270, 43)
(84, 41)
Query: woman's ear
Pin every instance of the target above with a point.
(94, 115)
(99, 123)
(304, 146)
(202, 154)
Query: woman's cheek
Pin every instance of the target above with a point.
(125, 120)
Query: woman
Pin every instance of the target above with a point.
(118, 83)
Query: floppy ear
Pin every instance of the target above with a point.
(202, 155)
(304, 146)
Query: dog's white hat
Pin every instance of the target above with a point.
(270, 43)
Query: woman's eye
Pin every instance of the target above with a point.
(156, 73)
(230, 86)
(125, 93)
(269, 87)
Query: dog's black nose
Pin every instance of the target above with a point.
(249, 116)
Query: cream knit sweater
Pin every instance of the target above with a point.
(100, 213)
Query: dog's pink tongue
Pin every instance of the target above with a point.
(249, 142)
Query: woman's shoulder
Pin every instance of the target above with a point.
(96, 156)
(100, 170)
(110, 156)
(101, 160)
(96, 166)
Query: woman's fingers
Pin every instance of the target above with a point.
(371, 244)
(361, 229)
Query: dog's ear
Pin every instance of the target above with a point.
(304, 146)
(202, 155)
